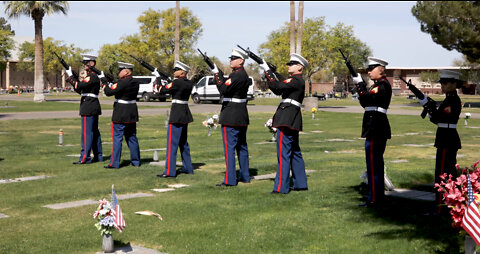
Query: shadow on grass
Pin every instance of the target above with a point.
(414, 216)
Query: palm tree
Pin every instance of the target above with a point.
(36, 10)
(300, 28)
(292, 27)
(177, 32)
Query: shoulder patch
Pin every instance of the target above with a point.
(447, 110)
(228, 82)
(87, 79)
(374, 90)
(169, 85)
(114, 86)
(287, 80)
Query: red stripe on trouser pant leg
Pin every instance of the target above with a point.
(169, 148)
(113, 147)
(372, 170)
(442, 165)
(84, 139)
(226, 152)
(281, 162)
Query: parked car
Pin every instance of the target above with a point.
(206, 90)
(148, 90)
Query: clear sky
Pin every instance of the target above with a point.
(388, 28)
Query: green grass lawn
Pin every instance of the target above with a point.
(204, 218)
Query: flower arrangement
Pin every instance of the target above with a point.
(455, 191)
(314, 110)
(211, 123)
(104, 214)
(273, 130)
(467, 116)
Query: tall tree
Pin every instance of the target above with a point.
(430, 77)
(292, 27)
(155, 43)
(452, 24)
(177, 31)
(320, 44)
(299, 28)
(6, 42)
(36, 10)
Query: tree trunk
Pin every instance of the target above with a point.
(300, 28)
(38, 84)
(292, 27)
(177, 32)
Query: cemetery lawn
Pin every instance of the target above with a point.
(203, 218)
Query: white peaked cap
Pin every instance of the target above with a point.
(376, 61)
(122, 65)
(87, 57)
(299, 59)
(182, 66)
(448, 74)
(238, 53)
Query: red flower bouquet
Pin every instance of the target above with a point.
(455, 191)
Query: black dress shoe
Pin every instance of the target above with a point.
(367, 204)
(223, 184)
(78, 162)
(108, 166)
(275, 192)
(299, 189)
(166, 176)
(185, 172)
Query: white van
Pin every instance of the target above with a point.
(206, 90)
(148, 90)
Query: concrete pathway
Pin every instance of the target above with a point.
(23, 179)
(92, 202)
(132, 249)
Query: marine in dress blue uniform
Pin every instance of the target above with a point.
(180, 89)
(375, 127)
(90, 109)
(288, 121)
(125, 115)
(234, 117)
(447, 140)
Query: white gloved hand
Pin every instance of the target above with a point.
(358, 79)
(102, 75)
(69, 71)
(424, 101)
(215, 69)
(264, 65)
(155, 73)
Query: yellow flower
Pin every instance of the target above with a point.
(314, 110)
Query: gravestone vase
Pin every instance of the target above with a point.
(107, 243)
(470, 245)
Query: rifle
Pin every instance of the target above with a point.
(349, 65)
(98, 72)
(430, 106)
(206, 59)
(257, 59)
(66, 66)
(150, 68)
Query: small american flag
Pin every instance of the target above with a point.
(471, 219)
(118, 221)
